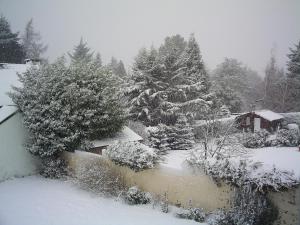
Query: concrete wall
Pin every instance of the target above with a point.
(199, 188)
(14, 160)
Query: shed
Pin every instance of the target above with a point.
(125, 135)
(261, 119)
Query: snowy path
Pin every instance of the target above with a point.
(38, 201)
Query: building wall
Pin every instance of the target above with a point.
(14, 160)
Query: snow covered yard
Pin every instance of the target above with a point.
(38, 201)
(283, 158)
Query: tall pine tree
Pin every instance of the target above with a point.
(293, 79)
(11, 50)
(31, 41)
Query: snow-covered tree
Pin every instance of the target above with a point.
(81, 53)
(98, 60)
(11, 50)
(293, 79)
(64, 106)
(31, 41)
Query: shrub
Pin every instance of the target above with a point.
(287, 137)
(98, 176)
(135, 196)
(256, 140)
(196, 214)
(53, 167)
(135, 155)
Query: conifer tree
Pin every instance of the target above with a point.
(81, 53)
(31, 41)
(98, 60)
(11, 50)
(293, 79)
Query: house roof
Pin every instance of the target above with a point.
(9, 77)
(6, 112)
(268, 115)
(125, 135)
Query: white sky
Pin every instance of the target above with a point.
(242, 29)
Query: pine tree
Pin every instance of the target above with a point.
(81, 53)
(98, 60)
(31, 42)
(11, 50)
(293, 79)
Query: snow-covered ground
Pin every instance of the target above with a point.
(39, 201)
(175, 160)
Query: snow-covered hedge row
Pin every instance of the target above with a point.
(241, 173)
(135, 155)
(283, 137)
(135, 196)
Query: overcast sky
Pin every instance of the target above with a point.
(242, 29)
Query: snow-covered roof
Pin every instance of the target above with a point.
(269, 115)
(8, 77)
(125, 135)
(6, 112)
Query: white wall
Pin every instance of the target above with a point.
(15, 161)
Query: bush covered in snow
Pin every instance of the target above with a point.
(257, 139)
(98, 176)
(135, 155)
(53, 167)
(287, 137)
(248, 207)
(196, 214)
(135, 196)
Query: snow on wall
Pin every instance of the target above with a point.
(14, 160)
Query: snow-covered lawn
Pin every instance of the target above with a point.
(175, 160)
(284, 158)
(39, 201)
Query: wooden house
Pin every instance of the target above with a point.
(261, 119)
(125, 135)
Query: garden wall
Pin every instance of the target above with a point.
(192, 188)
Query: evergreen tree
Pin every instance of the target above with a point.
(293, 79)
(98, 60)
(118, 68)
(11, 50)
(64, 107)
(31, 42)
(81, 53)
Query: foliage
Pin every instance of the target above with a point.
(135, 155)
(11, 49)
(135, 196)
(63, 106)
(293, 79)
(53, 167)
(287, 137)
(196, 214)
(118, 68)
(81, 53)
(31, 41)
(248, 207)
(98, 176)
(159, 139)
(258, 139)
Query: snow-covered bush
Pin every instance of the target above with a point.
(248, 207)
(257, 139)
(98, 176)
(196, 214)
(135, 155)
(135, 196)
(287, 137)
(53, 167)
(63, 106)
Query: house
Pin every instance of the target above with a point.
(14, 159)
(125, 135)
(260, 119)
